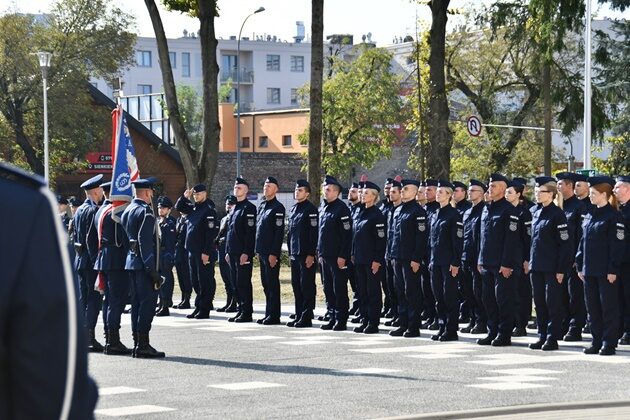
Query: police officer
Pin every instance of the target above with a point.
(446, 244)
(582, 193)
(599, 258)
(551, 255)
(622, 193)
(269, 237)
(385, 204)
(409, 253)
(182, 267)
(500, 262)
(525, 201)
(333, 248)
(202, 226)
(224, 268)
(240, 241)
(470, 276)
(86, 248)
(355, 205)
(429, 304)
(459, 197)
(139, 223)
(44, 371)
(395, 200)
(302, 244)
(574, 210)
(62, 204)
(368, 252)
(168, 239)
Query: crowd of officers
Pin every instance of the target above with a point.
(430, 255)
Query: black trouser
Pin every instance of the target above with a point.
(143, 300)
(183, 276)
(390, 279)
(523, 299)
(602, 304)
(166, 291)
(270, 279)
(356, 295)
(624, 294)
(116, 293)
(471, 283)
(550, 310)
(369, 285)
(335, 288)
(409, 305)
(243, 280)
(428, 303)
(498, 299)
(224, 269)
(203, 276)
(577, 305)
(444, 287)
(303, 283)
(90, 300)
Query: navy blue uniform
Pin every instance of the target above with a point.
(500, 247)
(224, 266)
(625, 274)
(202, 226)
(168, 241)
(389, 301)
(241, 237)
(335, 241)
(409, 243)
(523, 284)
(368, 246)
(429, 303)
(355, 209)
(470, 276)
(551, 254)
(269, 237)
(35, 381)
(389, 267)
(181, 259)
(462, 206)
(446, 244)
(302, 242)
(600, 253)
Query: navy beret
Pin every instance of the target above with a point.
(372, 186)
(459, 184)
(182, 205)
(478, 184)
(199, 188)
(92, 183)
(354, 185)
(106, 186)
(271, 180)
(571, 176)
(302, 183)
(601, 179)
(164, 202)
(496, 177)
(430, 182)
(74, 202)
(410, 182)
(61, 200)
(241, 181)
(331, 180)
(141, 183)
(389, 181)
(542, 180)
(519, 180)
(396, 184)
(445, 183)
(230, 199)
(623, 178)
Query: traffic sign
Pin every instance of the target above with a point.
(474, 125)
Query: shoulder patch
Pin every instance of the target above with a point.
(20, 176)
(514, 217)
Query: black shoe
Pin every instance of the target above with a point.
(356, 320)
(328, 326)
(532, 325)
(371, 329)
(502, 341)
(436, 337)
(607, 351)
(398, 332)
(326, 317)
(243, 318)
(573, 335)
(185, 303)
(537, 345)
(194, 314)
(550, 345)
(449, 337)
(479, 329)
(625, 339)
(93, 345)
(390, 323)
(412, 332)
(292, 316)
(203, 314)
(463, 319)
(390, 314)
(144, 349)
(425, 325)
(434, 326)
(260, 321)
(271, 321)
(340, 326)
(227, 305)
(163, 311)
(232, 309)
(304, 323)
(486, 341)
(360, 328)
(519, 332)
(114, 346)
(468, 328)
(586, 329)
(592, 350)
(291, 323)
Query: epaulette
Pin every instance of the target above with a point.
(20, 176)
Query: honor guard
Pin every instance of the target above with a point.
(459, 197)
(86, 250)
(168, 239)
(395, 201)
(385, 204)
(500, 259)
(302, 244)
(409, 252)
(334, 248)
(62, 205)
(269, 238)
(429, 304)
(354, 202)
(622, 193)
(241, 237)
(139, 223)
(231, 302)
(182, 266)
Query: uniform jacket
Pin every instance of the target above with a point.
(500, 237)
(369, 236)
(221, 235)
(241, 234)
(446, 237)
(335, 230)
(270, 227)
(385, 206)
(112, 251)
(525, 228)
(181, 255)
(202, 226)
(472, 233)
(410, 230)
(168, 240)
(574, 210)
(85, 237)
(303, 230)
(625, 213)
(390, 230)
(551, 250)
(139, 224)
(603, 241)
(463, 206)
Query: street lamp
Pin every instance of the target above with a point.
(44, 63)
(238, 93)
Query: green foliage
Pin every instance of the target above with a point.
(189, 7)
(618, 163)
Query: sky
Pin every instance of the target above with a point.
(384, 19)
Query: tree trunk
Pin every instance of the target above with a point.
(34, 161)
(209, 156)
(186, 152)
(440, 138)
(546, 88)
(315, 124)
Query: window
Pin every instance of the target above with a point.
(244, 142)
(143, 58)
(273, 62)
(173, 57)
(273, 95)
(228, 63)
(294, 96)
(263, 141)
(145, 89)
(286, 141)
(185, 64)
(297, 63)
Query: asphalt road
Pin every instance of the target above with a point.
(216, 369)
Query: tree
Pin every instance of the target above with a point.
(315, 96)
(199, 165)
(87, 38)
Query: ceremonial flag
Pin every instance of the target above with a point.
(124, 164)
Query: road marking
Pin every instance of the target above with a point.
(133, 410)
(508, 386)
(241, 386)
(372, 371)
(519, 378)
(115, 390)
(525, 371)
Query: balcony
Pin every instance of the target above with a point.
(247, 76)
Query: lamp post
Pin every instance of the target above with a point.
(44, 63)
(587, 86)
(238, 93)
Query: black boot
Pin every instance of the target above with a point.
(164, 309)
(227, 304)
(185, 303)
(144, 350)
(114, 346)
(93, 345)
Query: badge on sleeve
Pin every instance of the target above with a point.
(380, 230)
(621, 233)
(250, 220)
(210, 220)
(313, 219)
(422, 225)
(513, 223)
(564, 233)
(346, 222)
(460, 230)
(529, 228)
(279, 219)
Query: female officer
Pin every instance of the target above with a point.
(514, 195)
(550, 259)
(598, 260)
(368, 254)
(447, 243)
